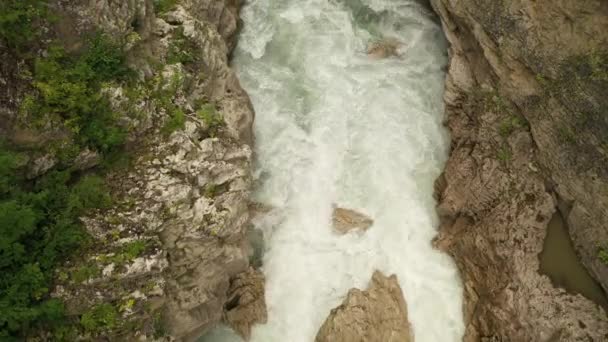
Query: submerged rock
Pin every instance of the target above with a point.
(246, 305)
(376, 314)
(384, 48)
(347, 220)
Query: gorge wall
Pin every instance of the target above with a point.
(526, 100)
(170, 252)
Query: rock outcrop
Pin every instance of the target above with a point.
(384, 48)
(173, 251)
(525, 99)
(246, 304)
(347, 220)
(376, 314)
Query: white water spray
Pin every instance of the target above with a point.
(336, 126)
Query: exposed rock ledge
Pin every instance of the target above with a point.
(376, 314)
(526, 96)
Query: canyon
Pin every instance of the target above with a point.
(326, 170)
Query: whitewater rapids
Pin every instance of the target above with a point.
(335, 126)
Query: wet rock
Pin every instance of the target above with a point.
(376, 314)
(384, 49)
(347, 220)
(246, 305)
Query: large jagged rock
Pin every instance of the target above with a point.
(376, 314)
(346, 220)
(246, 305)
(521, 74)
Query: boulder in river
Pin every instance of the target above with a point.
(346, 220)
(384, 48)
(376, 314)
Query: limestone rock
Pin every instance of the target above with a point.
(347, 220)
(511, 103)
(40, 165)
(376, 314)
(246, 304)
(185, 194)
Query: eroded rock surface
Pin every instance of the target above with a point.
(173, 248)
(347, 220)
(246, 305)
(520, 75)
(376, 314)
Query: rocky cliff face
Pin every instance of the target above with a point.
(526, 101)
(165, 255)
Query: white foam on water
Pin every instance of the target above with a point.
(336, 126)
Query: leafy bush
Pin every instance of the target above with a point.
(69, 92)
(39, 227)
(211, 117)
(101, 317)
(19, 21)
(177, 120)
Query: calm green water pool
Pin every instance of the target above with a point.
(559, 261)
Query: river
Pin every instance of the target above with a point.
(335, 126)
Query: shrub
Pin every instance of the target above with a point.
(162, 6)
(19, 22)
(39, 228)
(181, 50)
(69, 93)
(177, 120)
(101, 317)
(211, 117)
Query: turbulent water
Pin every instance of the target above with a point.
(334, 126)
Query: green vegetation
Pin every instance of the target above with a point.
(602, 254)
(39, 218)
(211, 117)
(85, 272)
(163, 6)
(100, 317)
(126, 253)
(20, 21)
(39, 227)
(69, 93)
(509, 125)
(211, 190)
(177, 121)
(504, 155)
(182, 49)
